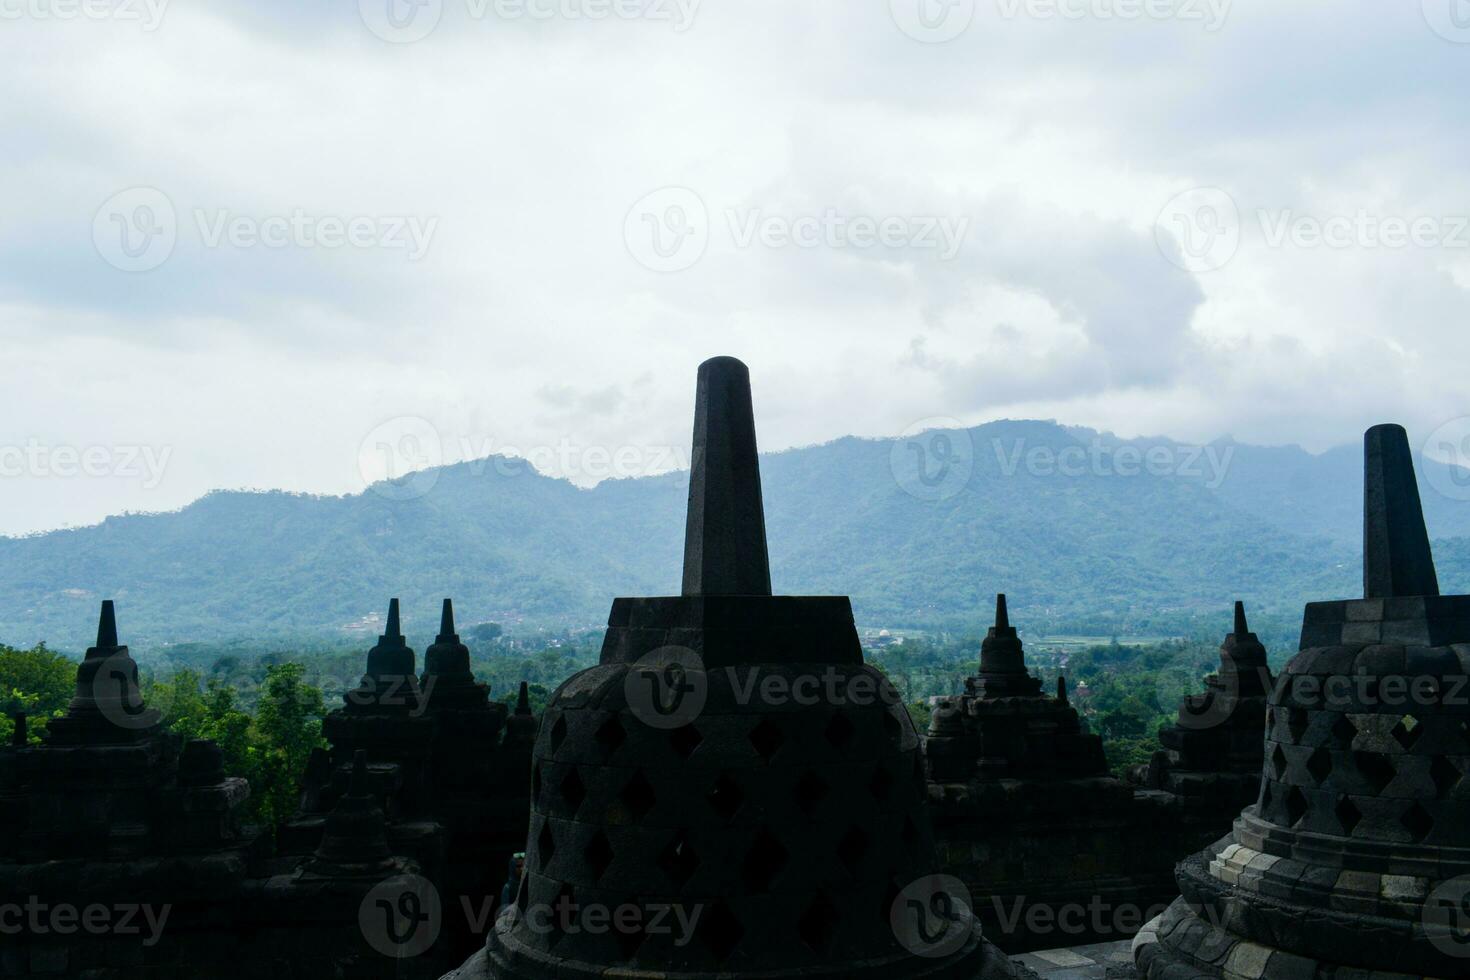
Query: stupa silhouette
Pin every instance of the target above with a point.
(787, 834)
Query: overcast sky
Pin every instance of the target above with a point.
(248, 247)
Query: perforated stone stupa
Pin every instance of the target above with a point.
(1352, 862)
(1212, 753)
(1027, 814)
(784, 833)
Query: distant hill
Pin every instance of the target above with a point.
(1077, 545)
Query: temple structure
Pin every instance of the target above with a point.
(1028, 815)
(1212, 754)
(113, 815)
(787, 836)
(1353, 861)
(449, 770)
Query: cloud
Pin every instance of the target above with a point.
(528, 320)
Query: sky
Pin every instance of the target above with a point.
(309, 245)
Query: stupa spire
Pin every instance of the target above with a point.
(1396, 556)
(392, 631)
(523, 699)
(1002, 617)
(725, 532)
(446, 622)
(107, 627)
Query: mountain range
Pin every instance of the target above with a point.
(1085, 532)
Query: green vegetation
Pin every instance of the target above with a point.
(36, 682)
(1094, 553)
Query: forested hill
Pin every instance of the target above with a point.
(1083, 531)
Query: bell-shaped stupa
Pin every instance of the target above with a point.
(731, 792)
(1354, 860)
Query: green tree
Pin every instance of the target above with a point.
(38, 682)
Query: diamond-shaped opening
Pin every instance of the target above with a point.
(892, 728)
(1407, 731)
(1296, 805)
(564, 915)
(1375, 768)
(1348, 815)
(852, 848)
(881, 785)
(678, 860)
(573, 790)
(1270, 719)
(811, 790)
(763, 862)
(611, 735)
(1344, 731)
(726, 796)
(720, 931)
(1296, 723)
(599, 854)
(545, 845)
(684, 740)
(1417, 822)
(1319, 764)
(1445, 774)
(1278, 762)
(638, 795)
(767, 739)
(841, 731)
(817, 926)
(558, 732)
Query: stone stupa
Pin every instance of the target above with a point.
(1354, 860)
(790, 833)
